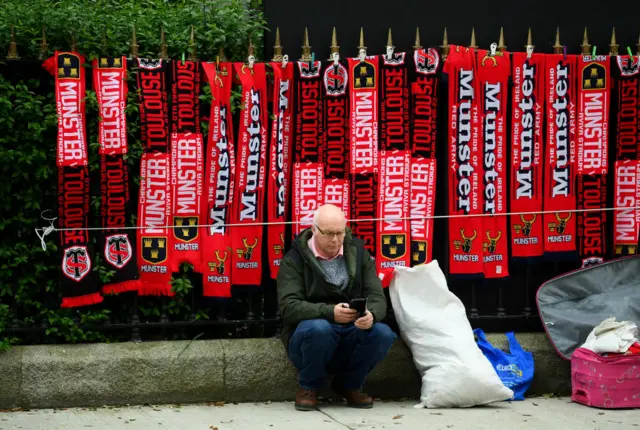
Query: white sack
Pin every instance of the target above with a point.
(434, 325)
(612, 336)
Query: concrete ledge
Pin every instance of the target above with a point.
(204, 371)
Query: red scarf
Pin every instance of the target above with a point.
(219, 185)
(155, 243)
(118, 245)
(280, 160)
(527, 155)
(186, 165)
(250, 177)
(424, 110)
(394, 171)
(559, 185)
(79, 282)
(493, 78)
(593, 122)
(336, 136)
(154, 109)
(465, 195)
(307, 186)
(364, 107)
(627, 166)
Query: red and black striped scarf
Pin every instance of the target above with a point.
(187, 168)
(78, 279)
(493, 74)
(592, 161)
(394, 168)
(308, 179)
(627, 164)
(424, 112)
(465, 187)
(363, 93)
(155, 242)
(247, 240)
(118, 245)
(560, 172)
(280, 163)
(219, 185)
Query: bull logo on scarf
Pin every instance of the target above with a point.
(561, 225)
(154, 249)
(219, 266)
(426, 61)
(418, 252)
(279, 248)
(492, 244)
(309, 69)
(629, 66)
(117, 250)
(467, 241)
(247, 252)
(185, 228)
(76, 262)
(335, 80)
(393, 246)
(526, 226)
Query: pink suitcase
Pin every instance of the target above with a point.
(605, 382)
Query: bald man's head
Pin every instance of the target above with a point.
(329, 225)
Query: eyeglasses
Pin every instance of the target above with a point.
(330, 234)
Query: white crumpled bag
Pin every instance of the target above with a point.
(434, 325)
(612, 336)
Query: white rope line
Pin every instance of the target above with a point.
(43, 232)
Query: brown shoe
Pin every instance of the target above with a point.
(306, 400)
(355, 398)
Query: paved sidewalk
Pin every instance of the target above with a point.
(538, 413)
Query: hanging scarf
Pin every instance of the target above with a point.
(493, 81)
(336, 136)
(424, 112)
(79, 282)
(559, 185)
(465, 195)
(592, 162)
(186, 165)
(219, 185)
(154, 110)
(280, 160)
(394, 171)
(627, 166)
(307, 186)
(155, 242)
(364, 107)
(117, 244)
(527, 155)
(250, 177)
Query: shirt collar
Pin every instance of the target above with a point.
(312, 246)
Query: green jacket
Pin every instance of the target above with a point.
(303, 293)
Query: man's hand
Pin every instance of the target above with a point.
(365, 322)
(342, 314)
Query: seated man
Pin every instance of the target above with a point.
(326, 268)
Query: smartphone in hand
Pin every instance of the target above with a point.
(359, 304)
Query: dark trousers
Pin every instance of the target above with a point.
(318, 348)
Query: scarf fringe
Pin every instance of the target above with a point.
(121, 287)
(155, 290)
(86, 300)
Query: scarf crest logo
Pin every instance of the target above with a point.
(492, 242)
(394, 58)
(426, 61)
(629, 66)
(76, 263)
(335, 80)
(247, 253)
(466, 244)
(526, 226)
(149, 63)
(68, 66)
(594, 77)
(394, 246)
(219, 266)
(309, 69)
(117, 250)
(154, 249)
(365, 77)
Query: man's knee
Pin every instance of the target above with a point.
(317, 328)
(381, 334)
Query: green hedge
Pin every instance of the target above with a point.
(29, 275)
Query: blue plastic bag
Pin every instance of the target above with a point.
(515, 368)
